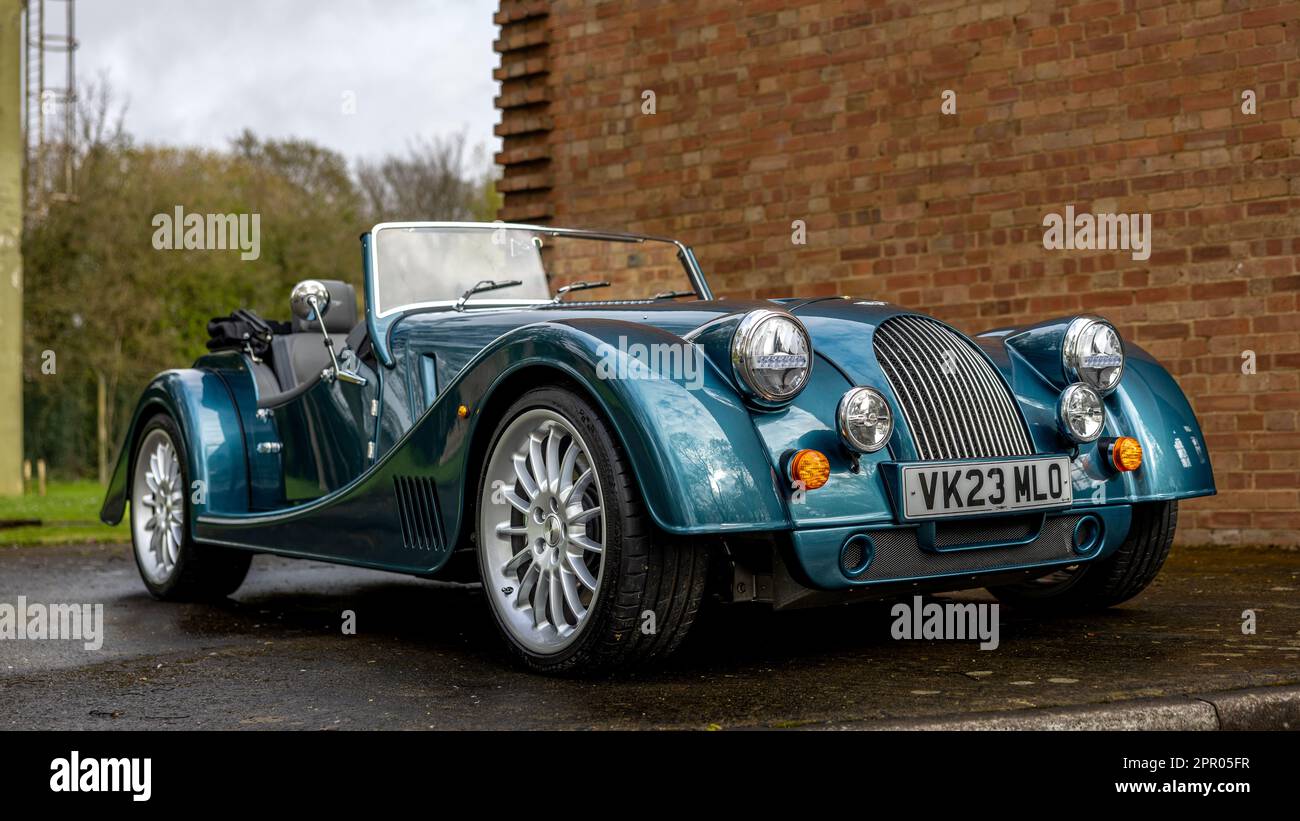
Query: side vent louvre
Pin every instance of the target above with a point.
(418, 510)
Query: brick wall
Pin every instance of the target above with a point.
(770, 111)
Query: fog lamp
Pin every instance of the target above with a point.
(1080, 413)
(864, 419)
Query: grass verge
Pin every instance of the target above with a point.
(68, 512)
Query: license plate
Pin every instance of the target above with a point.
(933, 491)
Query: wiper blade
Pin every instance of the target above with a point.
(484, 285)
(672, 294)
(581, 285)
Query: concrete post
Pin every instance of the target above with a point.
(11, 264)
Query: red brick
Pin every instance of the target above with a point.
(772, 111)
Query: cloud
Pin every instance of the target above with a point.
(199, 72)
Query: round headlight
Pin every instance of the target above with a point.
(1081, 413)
(1093, 353)
(864, 419)
(771, 356)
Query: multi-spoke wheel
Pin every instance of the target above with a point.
(544, 547)
(575, 575)
(158, 494)
(171, 564)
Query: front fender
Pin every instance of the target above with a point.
(205, 412)
(1147, 405)
(691, 442)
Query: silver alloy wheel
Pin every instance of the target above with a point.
(157, 506)
(542, 531)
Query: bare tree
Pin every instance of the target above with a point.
(429, 182)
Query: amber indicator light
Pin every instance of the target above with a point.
(1126, 454)
(811, 467)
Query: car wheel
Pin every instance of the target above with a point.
(577, 577)
(171, 564)
(1107, 582)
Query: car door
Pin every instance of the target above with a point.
(326, 436)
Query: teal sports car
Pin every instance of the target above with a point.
(571, 418)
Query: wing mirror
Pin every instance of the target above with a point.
(310, 298)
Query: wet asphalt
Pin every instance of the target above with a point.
(425, 655)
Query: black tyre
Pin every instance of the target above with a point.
(1107, 582)
(576, 577)
(172, 565)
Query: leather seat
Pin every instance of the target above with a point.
(299, 357)
(264, 376)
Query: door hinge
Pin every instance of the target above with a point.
(370, 450)
(269, 447)
(374, 407)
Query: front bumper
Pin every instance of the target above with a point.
(963, 551)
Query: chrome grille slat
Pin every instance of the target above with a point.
(995, 440)
(951, 447)
(962, 448)
(996, 425)
(1002, 410)
(967, 414)
(962, 437)
(906, 389)
(977, 433)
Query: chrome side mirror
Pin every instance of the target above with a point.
(310, 298)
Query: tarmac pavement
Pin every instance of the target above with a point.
(425, 655)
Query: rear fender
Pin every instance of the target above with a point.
(216, 462)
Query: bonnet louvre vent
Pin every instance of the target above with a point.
(417, 508)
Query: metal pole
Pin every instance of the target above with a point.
(40, 99)
(12, 149)
(69, 105)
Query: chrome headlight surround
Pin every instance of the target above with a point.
(1092, 352)
(771, 356)
(1080, 413)
(864, 420)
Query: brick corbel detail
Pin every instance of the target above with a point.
(524, 102)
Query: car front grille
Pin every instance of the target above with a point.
(955, 404)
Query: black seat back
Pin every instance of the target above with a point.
(340, 315)
(300, 357)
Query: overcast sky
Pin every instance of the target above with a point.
(197, 72)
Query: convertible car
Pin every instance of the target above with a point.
(572, 418)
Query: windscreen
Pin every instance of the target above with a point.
(427, 265)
